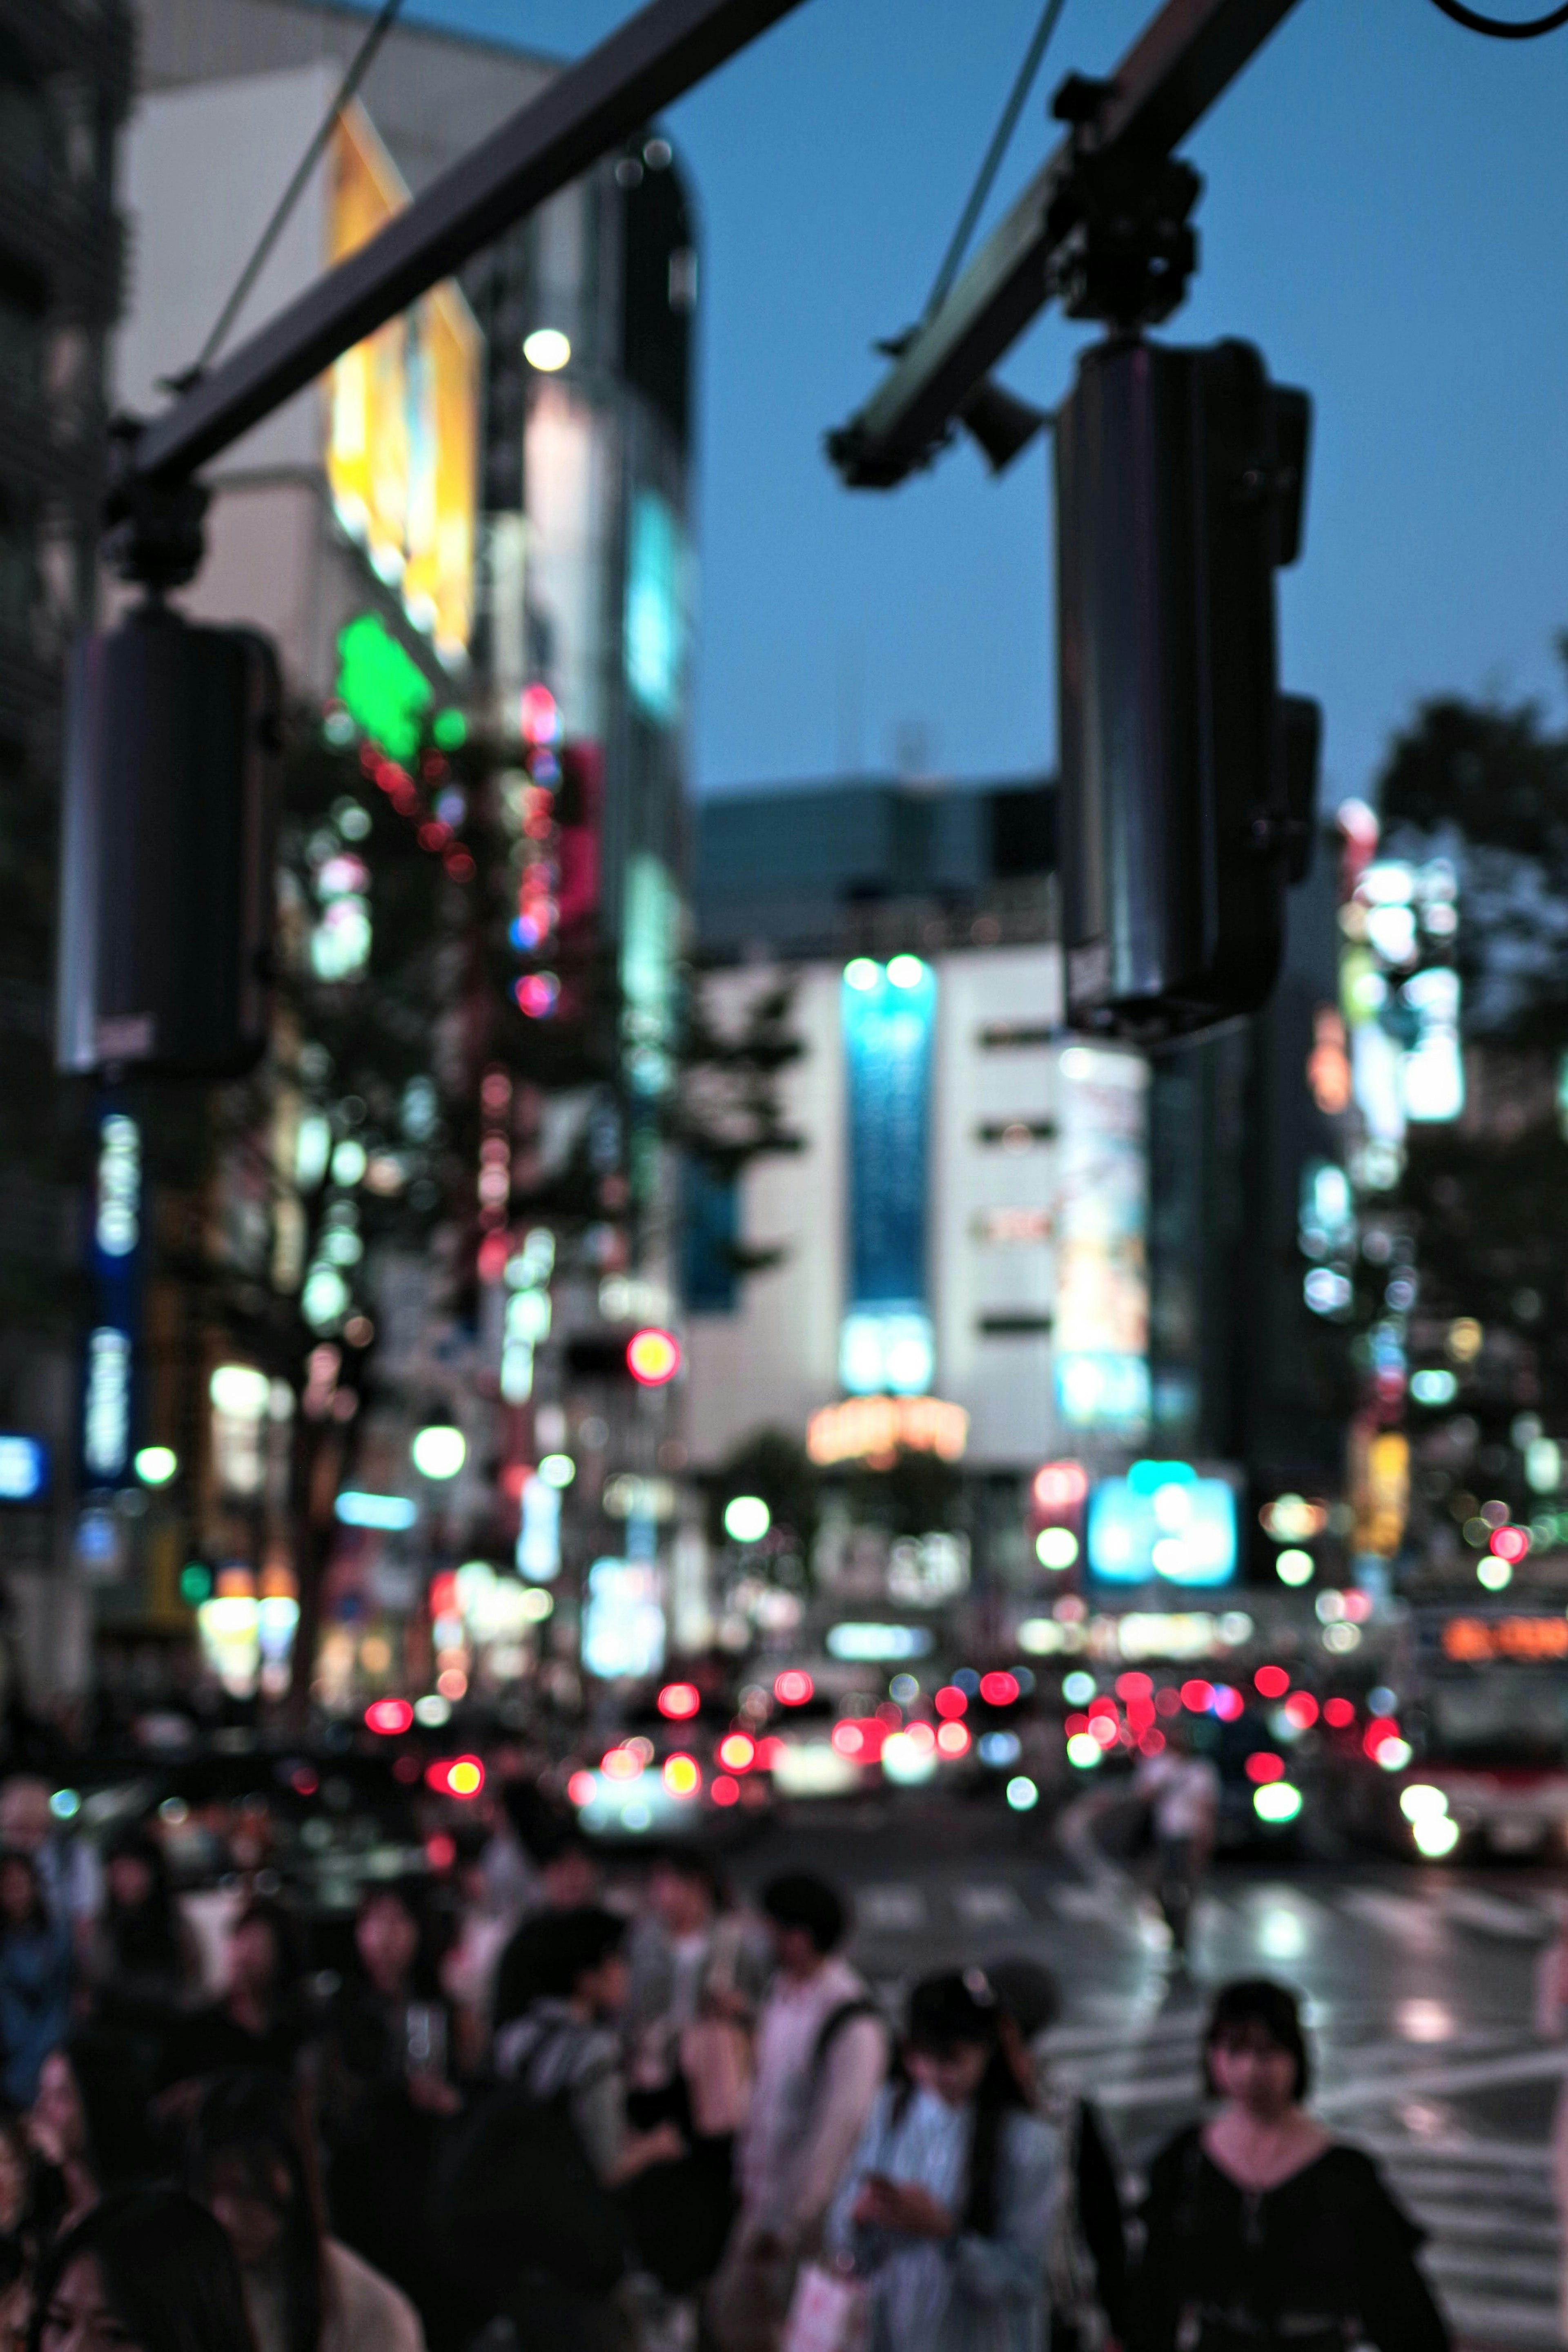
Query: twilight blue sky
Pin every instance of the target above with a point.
(1384, 212)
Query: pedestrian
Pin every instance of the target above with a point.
(696, 1980)
(946, 2209)
(822, 2054)
(252, 2163)
(1551, 2023)
(140, 1958)
(1182, 1791)
(35, 1978)
(527, 2200)
(1086, 2256)
(260, 2020)
(1262, 2233)
(148, 2270)
(66, 1865)
(385, 2095)
(88, 2127)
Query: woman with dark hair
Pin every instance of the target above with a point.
(87, 2125)
(946, 2209)
(261, 2019)
(1262, 2234)
(140, 1956)
(383, 2092)
(35, 1978)
(148, 2270)
(252, 2164)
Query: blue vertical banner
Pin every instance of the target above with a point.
(889, 1015)
(109, 1372)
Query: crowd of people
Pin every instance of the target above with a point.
(555, 2124)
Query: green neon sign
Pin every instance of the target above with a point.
(382, 689)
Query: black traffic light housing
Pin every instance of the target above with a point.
(172, 779)
(1186, 781)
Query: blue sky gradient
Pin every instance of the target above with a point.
(1383, 214)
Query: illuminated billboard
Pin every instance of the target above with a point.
(1102, 1330)
(622, 1621)
(403, 443)
(1163, 1523)
(889, 1015)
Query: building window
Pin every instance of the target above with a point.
(712, 1232)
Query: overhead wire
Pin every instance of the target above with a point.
(359, 66)
(1503, 28)
(1000, 139)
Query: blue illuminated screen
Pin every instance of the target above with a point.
(1162, 1523)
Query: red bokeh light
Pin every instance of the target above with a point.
(1339, 1713)
(953, 1739)
(1265, 1766)
(769, 1752)
(1511, 1543)
(1271, 1681)
(653, 1358)
(441, 1851)
(1074, 1725)
(794, 1688)
(999, 1689)
(1060, 1486)
(950, 1701)
(1134, 1686)
(1197, 1696)
(1227, 1702)
(456, 1776)
(860, 1738)
(679, 1700)
(737, 1753)
(1382, 1728)
(724, 1791)
(1151, 1743)
(1168, 1702)
(582, 1789)
(1301, 1709)
(388, 1717)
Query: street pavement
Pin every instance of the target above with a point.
(1418, 1983)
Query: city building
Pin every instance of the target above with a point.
(998, 1242)
(65, 86)
(477, 522)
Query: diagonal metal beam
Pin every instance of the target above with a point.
(1168, 79)
(646, 64)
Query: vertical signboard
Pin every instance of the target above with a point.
(1102, 1332)
(108, 1377)
(402, 445)
(889, 1015)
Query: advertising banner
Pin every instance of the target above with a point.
(1101, 1329)
(889, 1016)
(403, 446)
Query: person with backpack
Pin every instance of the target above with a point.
(526, 2200)
(822, 2054)
(946, 2211)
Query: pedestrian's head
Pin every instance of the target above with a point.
(149, 2270)
(570, 1872)
(26, 1819)
(390, 1937)
(252, 2164)
(805, 1919)
(21, 1890)
(574, 1956)
(265, 1959)
(685, 1890)
(1028, 2004)
(1254, 2051)
(951, 2035)
(136, 1875)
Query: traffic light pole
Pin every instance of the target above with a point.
(651, 60)
(1103, 226)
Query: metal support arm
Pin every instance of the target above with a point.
(1112, 176)
(646, 64)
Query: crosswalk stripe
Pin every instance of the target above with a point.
(1494, 1915)
(1413, 1924)
(889, 1908)
(989, 1906)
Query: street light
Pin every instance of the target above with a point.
(746, 1518)
(440, 1451)
(156, 1464)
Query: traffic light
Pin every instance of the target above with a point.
(1188, 782)
(166, 869)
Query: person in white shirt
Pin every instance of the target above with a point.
(1183, 1792)
(822, 2054)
